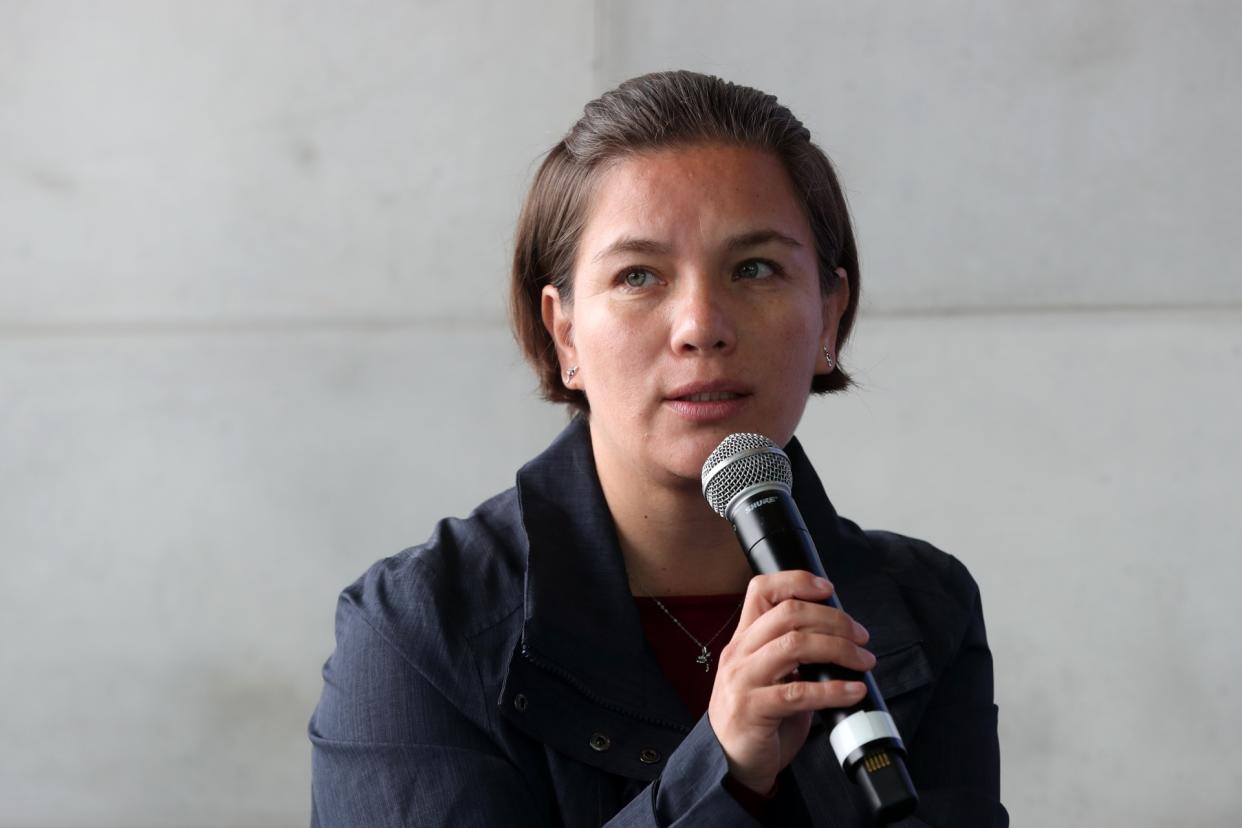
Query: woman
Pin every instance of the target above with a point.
(685, 269)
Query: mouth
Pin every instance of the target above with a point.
(708, 402)
(709, 396)
(708, 391)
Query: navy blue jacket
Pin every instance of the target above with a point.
(498, 675)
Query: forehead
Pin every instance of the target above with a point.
(693, 193)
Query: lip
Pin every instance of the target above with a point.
(708, 410)
(722, 385)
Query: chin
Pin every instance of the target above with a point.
(671, 464)
(687, 457)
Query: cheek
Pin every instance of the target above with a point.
(794, 337)
(621, 348)
(797, 361)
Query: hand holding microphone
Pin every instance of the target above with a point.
(760, 716)
(789, 621)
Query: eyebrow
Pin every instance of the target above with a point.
(754, 238)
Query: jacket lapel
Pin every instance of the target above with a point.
(580, 618)
(863, 587)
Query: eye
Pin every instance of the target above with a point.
(639, 278)
(756, 269)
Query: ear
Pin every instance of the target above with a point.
(835, 303)
(559, 322)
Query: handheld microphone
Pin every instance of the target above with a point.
(748, 481)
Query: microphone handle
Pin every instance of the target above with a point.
(774, 537)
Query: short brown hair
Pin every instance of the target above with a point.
(658, 111)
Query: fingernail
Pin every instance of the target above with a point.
(822, 583)
(860, 632)
(855, 687)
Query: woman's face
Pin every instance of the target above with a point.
(696, 310)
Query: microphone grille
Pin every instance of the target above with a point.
(740, 462)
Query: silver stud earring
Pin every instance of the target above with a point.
(828, 358)
(571, 373)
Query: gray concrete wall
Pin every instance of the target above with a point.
(251, 294)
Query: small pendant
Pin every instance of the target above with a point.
(705, 658)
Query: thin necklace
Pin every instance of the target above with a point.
(705, 655)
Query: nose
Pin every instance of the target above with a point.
(703, 321)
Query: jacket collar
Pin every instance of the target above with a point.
(579, 616)
(580, 619)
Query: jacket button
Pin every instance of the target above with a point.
(600, 742)
(649, 756)
(519, 701)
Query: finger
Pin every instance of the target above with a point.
(780, 701)
(766, 591)
(779, 656)
(794, 614)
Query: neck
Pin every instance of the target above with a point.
(672, 542)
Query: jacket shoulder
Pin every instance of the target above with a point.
(918, 566)
(445, 614)
(421, 637)
(464, 579)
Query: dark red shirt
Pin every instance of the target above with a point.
(707, 617)
(711, 619)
